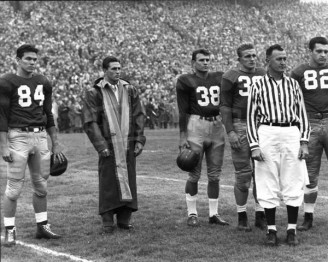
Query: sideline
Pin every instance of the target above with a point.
(202, 183)
(49, 251)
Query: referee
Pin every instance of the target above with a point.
(278, 132)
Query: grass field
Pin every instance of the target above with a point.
(160, 231)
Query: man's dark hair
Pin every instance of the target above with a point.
(317, 40)
(108, 60)
(244, 47)
(270, 50)
(200, 51)
(24, 49)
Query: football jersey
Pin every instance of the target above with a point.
(25, 102)
(235, 88)
(199, 96)
(314, 84)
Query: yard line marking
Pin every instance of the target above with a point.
(202, 183)
(51, 252)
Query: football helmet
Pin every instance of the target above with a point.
(56, 167)
(187, 159)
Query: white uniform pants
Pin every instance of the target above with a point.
(281, 171)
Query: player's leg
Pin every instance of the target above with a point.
(267, 179)
(18, 146)
(243, 175)
(195, 138)
(39, 166)
(313, 163)
(214, 153)
(293, 176)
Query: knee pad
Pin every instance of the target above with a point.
(14, 188)
(243, 187)
(213, 179)
(308, 191)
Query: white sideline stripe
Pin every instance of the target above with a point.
(202, 183)
(51, 252)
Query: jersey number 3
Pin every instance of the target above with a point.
(208, 95)
(25, 99)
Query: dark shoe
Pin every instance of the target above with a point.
(216, 219)
(307, 223)
(125, 226)
(44, 231)
(291, 237)
(260, 221)
(10, 237)
(108, 229)
(193, 220)
(271, 238)
(243, 225)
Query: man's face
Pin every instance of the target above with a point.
(248, 59)
(113, 72)
(319, 55)
(202, 63)
(27, 62)
(277, 61)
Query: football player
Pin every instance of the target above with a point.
(201, 130)
(25, 120)
(313, 79)
(235, 86)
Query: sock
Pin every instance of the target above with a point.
(258, 208)
(241, 208)
(292, 214)
(291, 226)
(272, 227)
(309, 207)
(270, 214)
(41, 218)
(191, 204)
(9, 222)
(213, 204)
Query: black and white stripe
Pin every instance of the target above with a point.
(275, 102)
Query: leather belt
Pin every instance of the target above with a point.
(280, 124)
(34, 129)
(318, 115)
(208, 118)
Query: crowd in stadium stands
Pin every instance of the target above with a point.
(153, 39)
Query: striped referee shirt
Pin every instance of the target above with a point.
(272, 101)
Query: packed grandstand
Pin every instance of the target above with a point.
(153, 39)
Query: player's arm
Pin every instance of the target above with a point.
(5, 94)
(50, 125)
(90, 122)
(183, 105)
(226, 100)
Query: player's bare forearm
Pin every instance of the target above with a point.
(227, 118)
(4, 149)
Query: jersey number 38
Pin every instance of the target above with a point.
(208, 95)
(25, 96)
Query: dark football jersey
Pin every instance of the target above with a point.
(235, 88)
(314, 84)
(25, 102)
(198, 96)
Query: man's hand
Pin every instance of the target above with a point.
(234, 140)
(104, 153)
(184, 143)
(257, 155)
(57, 153)
(138, 149)
(304, 151)
(6, 155)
